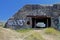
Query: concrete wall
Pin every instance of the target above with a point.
(40, 10)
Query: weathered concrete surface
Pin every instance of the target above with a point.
(19, 20)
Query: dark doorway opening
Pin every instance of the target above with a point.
(47, 22)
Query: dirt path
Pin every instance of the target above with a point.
(27, 34)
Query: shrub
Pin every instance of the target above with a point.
(51, 31)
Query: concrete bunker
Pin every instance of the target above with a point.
(35, 19)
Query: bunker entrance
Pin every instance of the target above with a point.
(46, 21)
(40, 21)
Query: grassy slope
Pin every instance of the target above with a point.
(29, 34)
(7, 34)
(41, 34)
(52, 33)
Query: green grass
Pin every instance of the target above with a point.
(51, 31)
(34, 36)
(24, 30)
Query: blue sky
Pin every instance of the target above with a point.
(9, 7)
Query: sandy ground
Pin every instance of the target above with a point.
(46, 37)
(7, 34)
